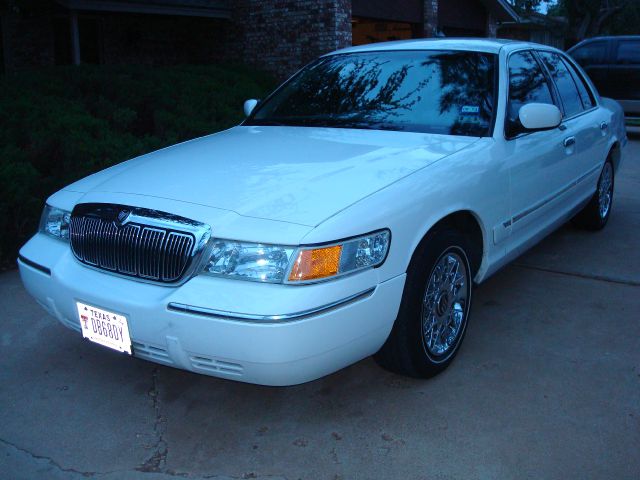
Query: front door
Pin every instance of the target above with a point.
(538, 161)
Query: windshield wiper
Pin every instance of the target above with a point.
(267, 123)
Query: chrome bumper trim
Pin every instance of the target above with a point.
(287, 317)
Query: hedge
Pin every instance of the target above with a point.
(61, 124)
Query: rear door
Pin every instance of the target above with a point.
(584, 125)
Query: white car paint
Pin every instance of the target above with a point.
(304, 186)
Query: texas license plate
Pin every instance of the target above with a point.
(104, 327)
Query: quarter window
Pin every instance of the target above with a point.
(527, 84)
(564, 81)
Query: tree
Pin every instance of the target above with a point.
(527, 6)
(588, 18)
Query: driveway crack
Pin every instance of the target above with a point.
(156, 463)
(49, 460)
(599, 278)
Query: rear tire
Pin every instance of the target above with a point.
(595, 215)
(435, 307)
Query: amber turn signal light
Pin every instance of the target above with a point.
(316, 263)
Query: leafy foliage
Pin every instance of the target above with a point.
(527, 6)
(61, 124)
(588, 18)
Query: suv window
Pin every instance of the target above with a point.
(628, 52)
(527, 84)
(593, 53)
(564, 81)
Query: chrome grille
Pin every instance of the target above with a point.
(146, 245)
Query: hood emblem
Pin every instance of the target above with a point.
(123, 216)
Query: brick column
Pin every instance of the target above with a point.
(343, 23)
(431, 18)
(282, 36)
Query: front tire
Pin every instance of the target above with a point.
(595, 215)
(435, 307)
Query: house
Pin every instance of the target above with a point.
(278, 36)
(538, 28)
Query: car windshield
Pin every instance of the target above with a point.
(445, 92)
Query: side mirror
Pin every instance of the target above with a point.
(539, 116)
(249, 105)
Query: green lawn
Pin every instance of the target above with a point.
(61, 124)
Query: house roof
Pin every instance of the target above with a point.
(193, 8)
(537, 21)
(501, 10)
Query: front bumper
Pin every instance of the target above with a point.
(334, 324)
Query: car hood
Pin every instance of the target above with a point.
(292, 174)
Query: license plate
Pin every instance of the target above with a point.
(104, 327)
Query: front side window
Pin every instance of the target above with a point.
(446, 92)
(564, 81)
(527, 84)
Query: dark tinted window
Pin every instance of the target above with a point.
(564, 81)
(448, 92)
(586, 95)
(593, 53)
(527, 84)
(629, 52)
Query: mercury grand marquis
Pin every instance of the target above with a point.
(349, 215)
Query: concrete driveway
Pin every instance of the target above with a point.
(546, 386)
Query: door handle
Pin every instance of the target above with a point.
(569, 141)
(604, 126)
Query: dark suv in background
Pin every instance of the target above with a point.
(613, 63)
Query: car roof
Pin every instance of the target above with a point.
(605, 38)
(488, 45)
(612, 37)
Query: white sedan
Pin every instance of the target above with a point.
(349, 215)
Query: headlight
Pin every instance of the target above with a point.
(55, 222)
(249, 261)
(285, 264)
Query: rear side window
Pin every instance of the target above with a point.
(593, 53)
(527, 84)
(586, 95)
(564, 81)
(628, 52)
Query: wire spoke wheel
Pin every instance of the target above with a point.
(445, 302)
(605, 190)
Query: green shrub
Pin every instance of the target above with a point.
(61, 124)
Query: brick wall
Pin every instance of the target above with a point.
(280, 36)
